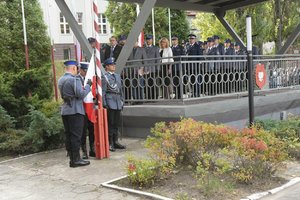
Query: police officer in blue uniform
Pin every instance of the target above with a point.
(88, 125)
(72, 111)
(228, 50)
(192, 50)
(113, 101)
(177, 50)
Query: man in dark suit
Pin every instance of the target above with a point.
(153, 67)
(177, 72)
(219, 47)
(228, 50)
(112, 100)
(136, 73)
(229, 67)
(193, 49)
(112, 50)
(240, 68)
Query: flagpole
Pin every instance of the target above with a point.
(170, 33)
(153, 26)
(25, 36)
(52, 54)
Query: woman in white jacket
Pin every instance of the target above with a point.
(166, 71)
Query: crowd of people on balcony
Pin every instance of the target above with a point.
(156, 72)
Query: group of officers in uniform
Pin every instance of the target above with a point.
(75, 121)
(147, 62)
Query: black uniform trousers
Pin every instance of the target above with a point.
(88, 126)
(73, 125)
(113, 117)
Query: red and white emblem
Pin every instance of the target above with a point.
(260, 75)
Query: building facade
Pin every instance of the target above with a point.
(61, 34)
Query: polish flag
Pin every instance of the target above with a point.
(88, 101)
(141, 39)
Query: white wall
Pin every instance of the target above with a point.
(51, 18)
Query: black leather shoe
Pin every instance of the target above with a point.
(92, 154)
(79, 163)
(112, 148)
(117, 145)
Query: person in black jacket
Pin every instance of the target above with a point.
(229, 67)
(112, 50)
(193, 69)
(177, 72)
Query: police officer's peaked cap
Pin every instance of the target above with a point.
(237, 44)
(227, 41)
(149, 37)
(174, 38)
(209, 39)
(91, 40)
(192, 36)
(215, 37)
(109, 61)
(123, 37)
(70, 62)
(200, 43)
(84, 65)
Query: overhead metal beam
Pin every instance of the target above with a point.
(215, 2)
(134, 34)
(231, 31)
(291, 39)
(66, 12)
(240, 4)
(179, 5)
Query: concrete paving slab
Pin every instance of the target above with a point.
(47, 175)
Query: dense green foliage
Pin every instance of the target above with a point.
(210, 151)
(26, 122)
(122, 16)
(44, 131)
(265, 21)
(288, 131)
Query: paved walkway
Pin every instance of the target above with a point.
(290, 193)
(47, 176)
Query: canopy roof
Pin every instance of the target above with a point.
(200, 5)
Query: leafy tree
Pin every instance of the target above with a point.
(265, 21)
(11, 39)
(15, 80)
(123, 15)
(179, 24)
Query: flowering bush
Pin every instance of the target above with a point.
(210, 149)
(141, 172)
(288, 131)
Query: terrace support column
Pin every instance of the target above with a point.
(134, 33)
(66, 12)
(220, 15)
(291, 39)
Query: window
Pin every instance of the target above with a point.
(64, 26)
(102, 23)
(67, 54)
(79, 19)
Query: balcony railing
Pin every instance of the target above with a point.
(153, 80)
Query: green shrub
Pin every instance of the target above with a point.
(44, 131)
(215, 150)
(287, 130)
(141, 172)
(6, 121)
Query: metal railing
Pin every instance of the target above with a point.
(154, 80)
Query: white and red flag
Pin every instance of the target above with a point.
(88, 101)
